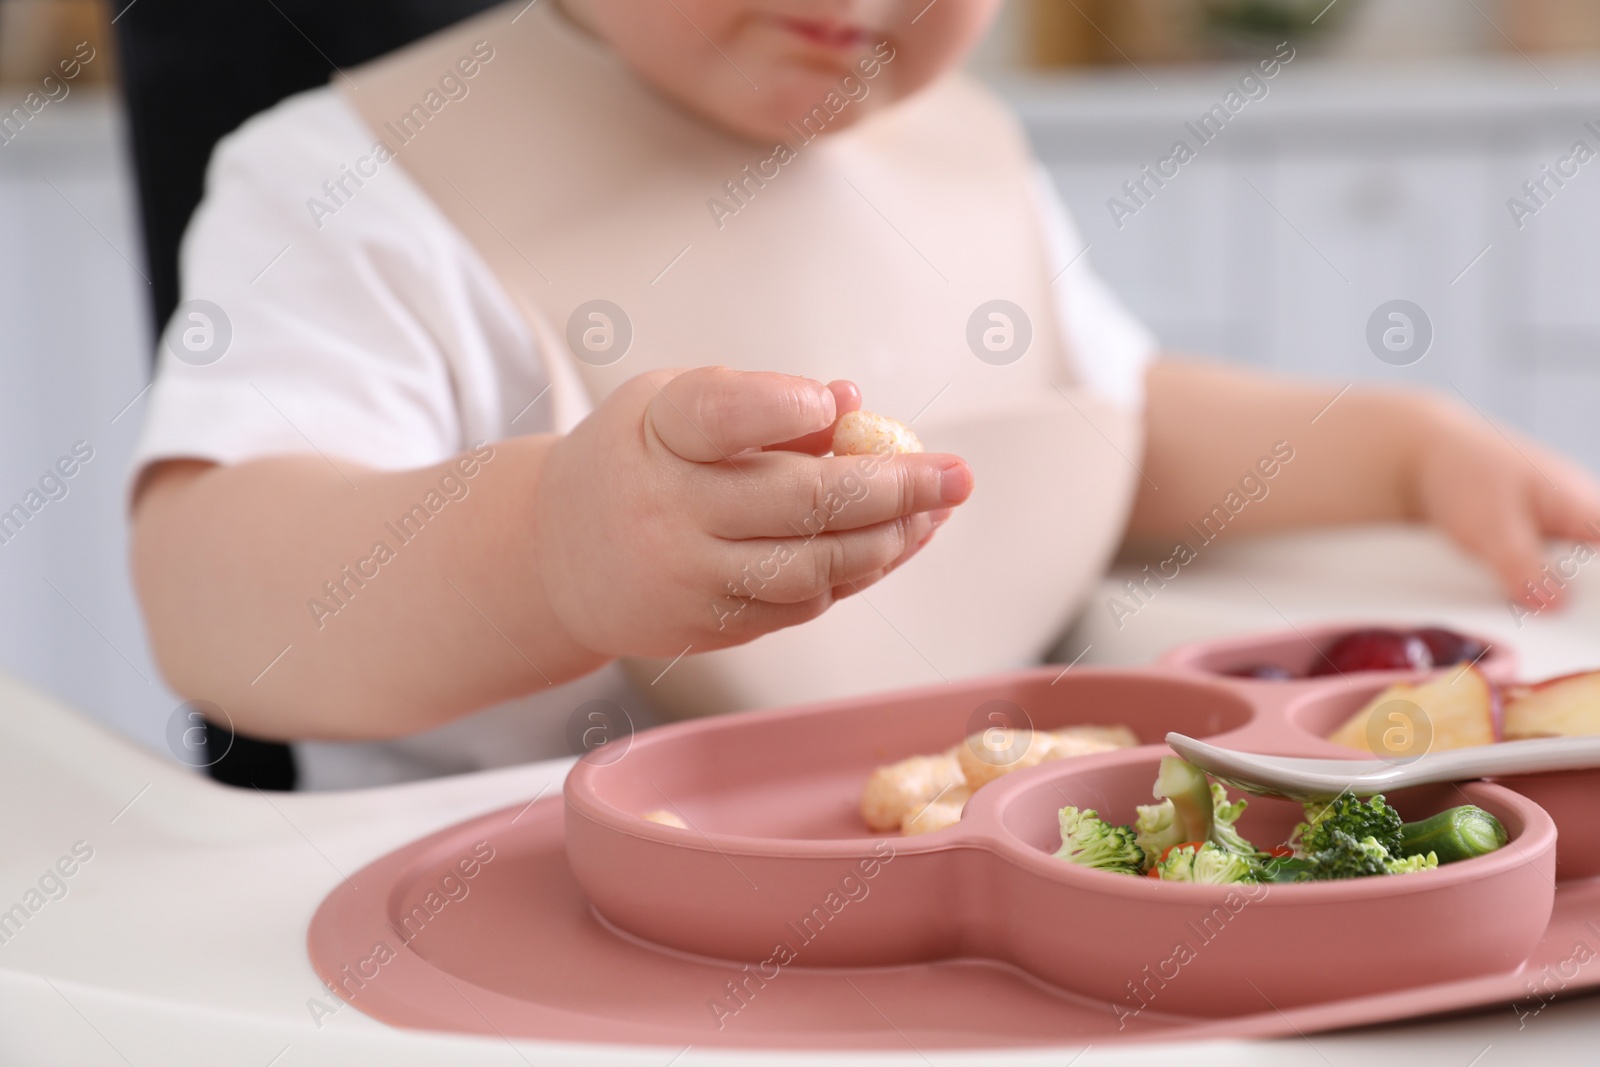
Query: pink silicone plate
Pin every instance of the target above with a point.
(779, 921)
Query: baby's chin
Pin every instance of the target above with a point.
(770, 129)
(785, 107)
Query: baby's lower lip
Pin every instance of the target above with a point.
(827, 34)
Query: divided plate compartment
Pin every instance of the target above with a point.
(1300, 650)
(614, 928)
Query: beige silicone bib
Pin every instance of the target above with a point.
(862, 254)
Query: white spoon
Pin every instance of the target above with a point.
(1310, 779)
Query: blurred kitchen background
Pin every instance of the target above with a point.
(1378, 166)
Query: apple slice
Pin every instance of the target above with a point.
(1462, 709)
(1557, 707)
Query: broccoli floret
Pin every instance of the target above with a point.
(1412, 863)
(1342, 856)
(1089, 840)
(1218, 866)
(1207, 864)
(1223, 809)
(1157, 829)
(1186, 786)
(1224, 814)
(1348, 815)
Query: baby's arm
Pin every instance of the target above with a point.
(228, 560)
(1370, 455)
(633, 535)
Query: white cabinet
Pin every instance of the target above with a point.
(1346, 187)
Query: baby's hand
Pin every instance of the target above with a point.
(1499, 495)
(693, 509)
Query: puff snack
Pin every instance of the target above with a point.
(861, 433)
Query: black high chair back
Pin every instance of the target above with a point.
(192, 71)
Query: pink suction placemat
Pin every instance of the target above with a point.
(579, 921)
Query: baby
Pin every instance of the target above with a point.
(518, 354)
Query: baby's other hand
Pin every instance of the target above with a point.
(693, 508)
(1499, 495)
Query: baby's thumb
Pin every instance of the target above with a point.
(713, 413)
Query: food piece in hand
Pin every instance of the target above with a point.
(938, 814)
(998, 750)
(1086, 739)
(665, 818)
(1206, 864)
(1458, 834)
(1560, 707)
(1458, 710)
(1374, 650)
(901, 789)
(1090, 841)
(1262, 672)
(1449, 648)
(861, 433)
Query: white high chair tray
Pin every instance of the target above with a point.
(181, 939)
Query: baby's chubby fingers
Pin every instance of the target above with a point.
(1513, 547)
(713, 413)
(1563, 503)
(797, 570)
(789, 494)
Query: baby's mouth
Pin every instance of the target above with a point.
(826, 34)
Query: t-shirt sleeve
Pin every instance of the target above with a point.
(323, 312)
(1111, 349)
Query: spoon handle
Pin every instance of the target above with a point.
(1532, 756)
(1299, 778)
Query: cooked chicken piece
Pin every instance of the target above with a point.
(900, 789)
(988, 754)
(1111, 736)
(937, 814)
(927, 793)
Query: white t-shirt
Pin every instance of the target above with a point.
(376, 335)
